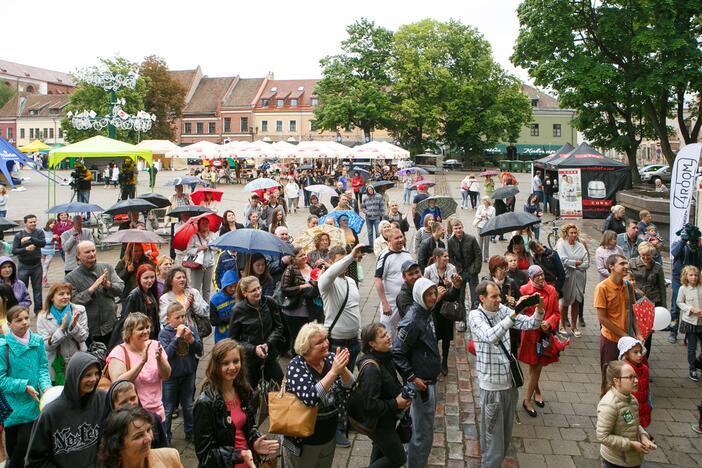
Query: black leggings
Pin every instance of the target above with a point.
(294, 325)
(445, 346)
(271, 371)
(17, 442)
(388, 451)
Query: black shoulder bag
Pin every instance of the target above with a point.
(341, 309)
(514, 370)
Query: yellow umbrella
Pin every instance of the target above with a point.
(306, 239)
(34, 147)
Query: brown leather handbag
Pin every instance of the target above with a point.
(289, 416)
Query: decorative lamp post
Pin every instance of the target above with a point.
(117, 118)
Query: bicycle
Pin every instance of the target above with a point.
(555, 232)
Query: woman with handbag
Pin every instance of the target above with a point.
(379, 401)
(443, 274)
(225, 428)
(143, 298)
(200, 251)
(576, 261)
(177, 290)
(297, 289)
(537, 349)
(128, 265)
(257, 326)
(64, 328)
(320, 379)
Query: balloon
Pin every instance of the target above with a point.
(661, 319)
(50, 395)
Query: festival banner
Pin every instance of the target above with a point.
(682, 187)
(570, 195)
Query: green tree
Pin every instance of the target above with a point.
(6, 93)
(561, 53)
(165, 97)
(447, 86)
(89, 97)
(353, 88)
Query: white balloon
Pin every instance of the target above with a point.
(661, 319)
(50, 395)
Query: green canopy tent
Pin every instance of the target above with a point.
(95, 147)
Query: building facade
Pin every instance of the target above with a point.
(34, 80)
(28, 117)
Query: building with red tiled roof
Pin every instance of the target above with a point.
(237, 109)
(29, 79)
(26, 117)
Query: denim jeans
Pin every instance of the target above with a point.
(372, 225)
(406, 195)
(693, 340)
(674, 311)
(83, 196)
(473, 199)
(536, 229)
(464, 199)
(25, 273)
(179, 390)
(423, 412)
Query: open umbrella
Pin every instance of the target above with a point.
(199, 195)
(489, 172)
(192, 210)
(253, 240)
(362, 172)
(7, 223)
(305, 167)
(508, 222)
(189, 228)
(75, 207)
(132, 204)
(426, 183)
(320, 188)
(157, 199)
(446, 205)
(306, 238)
(412, 170)
(262, 183)
(382, 185)
(135, 235)
(186, 180)
(355, 221)
(504, 192)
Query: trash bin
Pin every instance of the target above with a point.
(528, 167)
(505, 165)
(516, 166)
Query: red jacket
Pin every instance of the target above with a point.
(527, 350)
(357, 182)
(642, 393)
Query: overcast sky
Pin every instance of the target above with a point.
(248, 38)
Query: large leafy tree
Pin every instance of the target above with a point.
(447, 86)
(89, 97)
(560, 54)
(6, 92)
(353, 88)
(165, 97)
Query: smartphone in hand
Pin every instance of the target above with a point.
(528, 302)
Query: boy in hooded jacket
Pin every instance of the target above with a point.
(67, 432)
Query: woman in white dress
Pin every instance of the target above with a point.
(483, 214)
(576, 261)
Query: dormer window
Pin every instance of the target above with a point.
(314, 101)
(265, 102)
(535, 102)
(293, 103)
(33, 112)
(280, 102)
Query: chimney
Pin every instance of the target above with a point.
(270, 76)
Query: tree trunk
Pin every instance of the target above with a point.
(633, 166)
(661, 130)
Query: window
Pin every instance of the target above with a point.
(265, 102)
(264, 126)
(278, 125)
(279, 102)
(292, 126)
(314, 101)
(33, 112)
(556, 130)
(22, 133)
(227, 125)
(9, 134)
(535, 102)
(199, 128)
(36, 133)
(51, 133)
(313, 125)
(534, 129)
(61, 133)
(211, 127)
(244, 124)
(293, 103)
(188, 128)
(46, 132)
(31, 133)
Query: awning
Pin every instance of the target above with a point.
(34, 147)
(524, 149)
(99, 146)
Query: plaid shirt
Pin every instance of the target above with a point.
(493, 365)
(374, 206)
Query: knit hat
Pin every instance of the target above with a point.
(626, 343)
(534, 270)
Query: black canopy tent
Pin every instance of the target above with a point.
(563, 150)
(600, 178)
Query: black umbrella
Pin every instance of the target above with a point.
(504, 192)
(132, 204)
(383, 184)
(186, 180)
(74, 207)
(364, 173)
(157, 199)
(192, 210)
(7, 223)
(509, 222)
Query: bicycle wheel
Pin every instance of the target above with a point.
(552, 239)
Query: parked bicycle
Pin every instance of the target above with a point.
(554, 232)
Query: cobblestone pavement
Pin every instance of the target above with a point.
(561, 435)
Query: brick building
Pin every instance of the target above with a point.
(26, 117)
(34, 80)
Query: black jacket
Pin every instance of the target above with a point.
(426, 250)
(252, 327)
(550, 262)
(519, 277)
(414, 350)
(214, 432)
(319, 211)
(404, 299)
(135, 303)
(378, 386)
(24, 256)
(613, 224)
(465, 255)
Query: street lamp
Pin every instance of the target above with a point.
(117, 118)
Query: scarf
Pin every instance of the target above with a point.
(59, 314)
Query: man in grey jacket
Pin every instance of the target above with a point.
(95, 286)
(27, 246)
(70, 240)
(374, 209)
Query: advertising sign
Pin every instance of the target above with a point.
(570, 195)
(682, 186)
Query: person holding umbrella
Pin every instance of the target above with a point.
(316, 208)
(357, 183)
(128, 265)
(63, 224)
(199, 247)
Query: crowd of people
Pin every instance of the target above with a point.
(125, 341)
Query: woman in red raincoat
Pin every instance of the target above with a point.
(528, 352)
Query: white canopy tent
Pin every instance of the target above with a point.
(199, 150)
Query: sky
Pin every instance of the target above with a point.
(226, 38)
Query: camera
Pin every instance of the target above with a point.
(408, 393)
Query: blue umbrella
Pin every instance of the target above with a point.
(355, 221)
(75, 207)
(262, 183)
(253, 240)
(412, 170)
(186, 180)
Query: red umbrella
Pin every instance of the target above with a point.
(489, 173)
(188, 230)
(199, 195)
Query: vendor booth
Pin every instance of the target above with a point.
(587, 182)
(9, 156)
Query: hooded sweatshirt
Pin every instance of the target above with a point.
(18, 287)
(67, 432)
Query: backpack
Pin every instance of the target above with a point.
(355, 402)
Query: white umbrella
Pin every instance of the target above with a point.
(232, 148)
(400, 152)
(314, 150)
(284, 149)
(373, 150)
(201, 149)
(258, 149)
(342, 150)
(158, 146)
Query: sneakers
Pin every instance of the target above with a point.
(693, 376)
(342, 441)
(672, 339)
(461, 326)
(581, 322)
